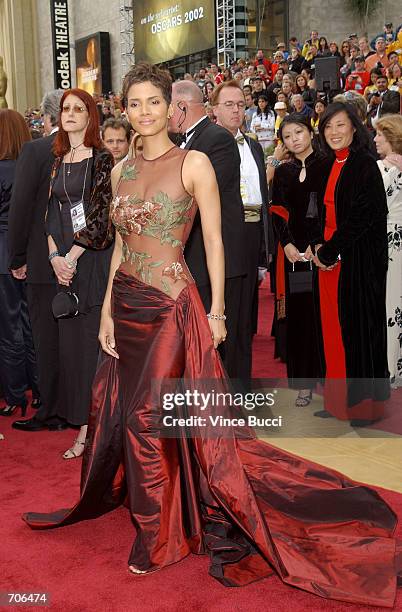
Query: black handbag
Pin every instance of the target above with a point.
(65, 305)
(301, 281)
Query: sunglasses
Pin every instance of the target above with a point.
(76, 109)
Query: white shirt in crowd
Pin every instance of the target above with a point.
(249, 175)
(267, 123)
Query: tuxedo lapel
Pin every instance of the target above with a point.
(197, 132)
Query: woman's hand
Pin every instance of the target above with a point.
(308, 253)
(218, 331)
(20, 273)
(280, 152)
(63, 273)
(106, 335)
(319, 264)
(395, 159)
(292, 253)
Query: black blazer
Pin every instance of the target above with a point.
(221, 149)
(258, 154)
(26, 222)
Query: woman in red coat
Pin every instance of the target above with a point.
(352, 256)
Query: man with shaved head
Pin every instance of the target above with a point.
(197, 132)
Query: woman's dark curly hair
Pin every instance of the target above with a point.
(361, 137)
(147, 73)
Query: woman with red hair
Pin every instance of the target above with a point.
(79, 237)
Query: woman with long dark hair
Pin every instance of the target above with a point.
(296, 187)
(352, 254)
(344, 51)
(80, 194)
(309, 95)
(319, 108)
(207, 90)
(323, 47)
(263, 122)
(202, 488)
(17, 354)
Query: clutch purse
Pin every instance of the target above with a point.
(301, 281)
(65, 305)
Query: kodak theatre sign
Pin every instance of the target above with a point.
(61, 44)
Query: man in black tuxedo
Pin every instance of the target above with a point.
(29, 252)
(199, 133)
(229, 108)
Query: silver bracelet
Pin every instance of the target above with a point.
(53, 254)
(274, 162)
(217, 317)
(71, 263)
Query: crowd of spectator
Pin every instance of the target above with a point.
(258, 95)
(284, 81)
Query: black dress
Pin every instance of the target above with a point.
(303, 338)
(78, 336)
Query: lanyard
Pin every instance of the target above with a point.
(83, 188)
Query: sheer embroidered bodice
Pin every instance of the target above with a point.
(154, 214)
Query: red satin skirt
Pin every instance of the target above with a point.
(253, 508)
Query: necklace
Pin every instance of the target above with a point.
(72, 153)
(83, 188)
(340, 161)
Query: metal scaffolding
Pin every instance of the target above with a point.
(225, 31)
(126, 35)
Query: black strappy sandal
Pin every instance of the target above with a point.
(304, 400)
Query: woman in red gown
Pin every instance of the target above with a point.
(255, 509)
(353, 264)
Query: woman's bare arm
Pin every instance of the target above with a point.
(106, 331)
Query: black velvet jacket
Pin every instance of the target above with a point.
(361, 242)
(99, 232)
(97, 238)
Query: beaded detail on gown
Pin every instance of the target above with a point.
(154, 213)
(253, 508)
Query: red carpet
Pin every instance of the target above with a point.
(83, 567)
(264, 364)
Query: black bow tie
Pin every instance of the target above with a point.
(179, 138)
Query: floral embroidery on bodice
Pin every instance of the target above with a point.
(154, 214)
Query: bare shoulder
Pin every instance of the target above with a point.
(197, 171)
(196, 160)
(116, 172)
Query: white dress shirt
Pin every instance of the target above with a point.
(249, 179)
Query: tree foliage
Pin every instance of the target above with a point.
(363, 10)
